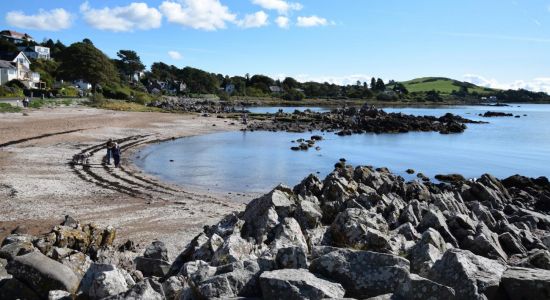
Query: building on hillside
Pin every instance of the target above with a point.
(276, 89)
(36, 52)
(83, 85)
(15, 37)
(22, 68)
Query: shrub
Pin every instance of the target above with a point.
(16, 84)
(6, 91)
(294, 95)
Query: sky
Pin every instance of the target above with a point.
(494, 43)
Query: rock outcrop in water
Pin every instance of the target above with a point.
(352, 120)
(491, 114)
(359, 233)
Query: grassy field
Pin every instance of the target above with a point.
(8, 108)
(442, 85)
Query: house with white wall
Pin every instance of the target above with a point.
(21, 64)
(36, 52)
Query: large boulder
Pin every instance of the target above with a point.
(418, 288)
(426, 252)
(297, 284)
(102, 280)
(154, 261)
(288, 234)
(363, 274)
(470, 275)
(144, 290)
(14, 289)
(3, 271)
(43, 274)
(521, 283)
(12, 250)
(291, 258)
(263, 214)
(359, 229)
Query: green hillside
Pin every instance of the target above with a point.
(443, 85)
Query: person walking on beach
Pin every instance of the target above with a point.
(116, 155)
(110, 146)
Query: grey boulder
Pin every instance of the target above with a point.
(43, 274)
(470, 275)
(523, 283)
(297, 284)
(363, 274)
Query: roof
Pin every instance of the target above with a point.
(16, 35)
(10, 56)
(6, 65)
(275, 89)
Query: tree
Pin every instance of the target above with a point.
(290, 83)
(84, 61)
(373, 84)
(7, 47)
(129, 63)
(380, 86)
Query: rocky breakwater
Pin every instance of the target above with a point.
(359, 233)
(352, 120)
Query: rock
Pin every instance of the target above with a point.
(426, 252)
(102, 280)
(485, 243)
(70, 222)
(363, 274)
(410, 171)
(511, 244)
(14, 289)
(288, 234)
(173, 286)
(359, 229)
(297, 284)
(3, 271)
(436, 220)
(453, 178)
(263, 214)
(241, 280)
(10, 251)
(233, 249)
(539, 259)
(152, 267)
(419, 288)
(59, 295)
(157, 250)
(154, 261)
(471, 276)
(522, 283)
(309, 215)
(78, 262)
(20, 229)
(291, 258)
(43, 274)
(141, 291)
(15, 238)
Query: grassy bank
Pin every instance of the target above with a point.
(8, 108)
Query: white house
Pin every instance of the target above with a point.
(23, 73)
(7, 72)
(36, 52)
(83, 85)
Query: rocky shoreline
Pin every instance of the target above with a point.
(367, 119)
(359, 233)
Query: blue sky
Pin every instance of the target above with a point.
(498, 43)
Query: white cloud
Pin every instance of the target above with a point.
(258, 19)
(541, 84)
(136, 15)
(281, 6)
(282, 21)
(198, 14)
(52, 20)
(312, 21)
(175, 55)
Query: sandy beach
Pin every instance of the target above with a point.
(39, 185)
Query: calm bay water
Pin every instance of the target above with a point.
(257, 161)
